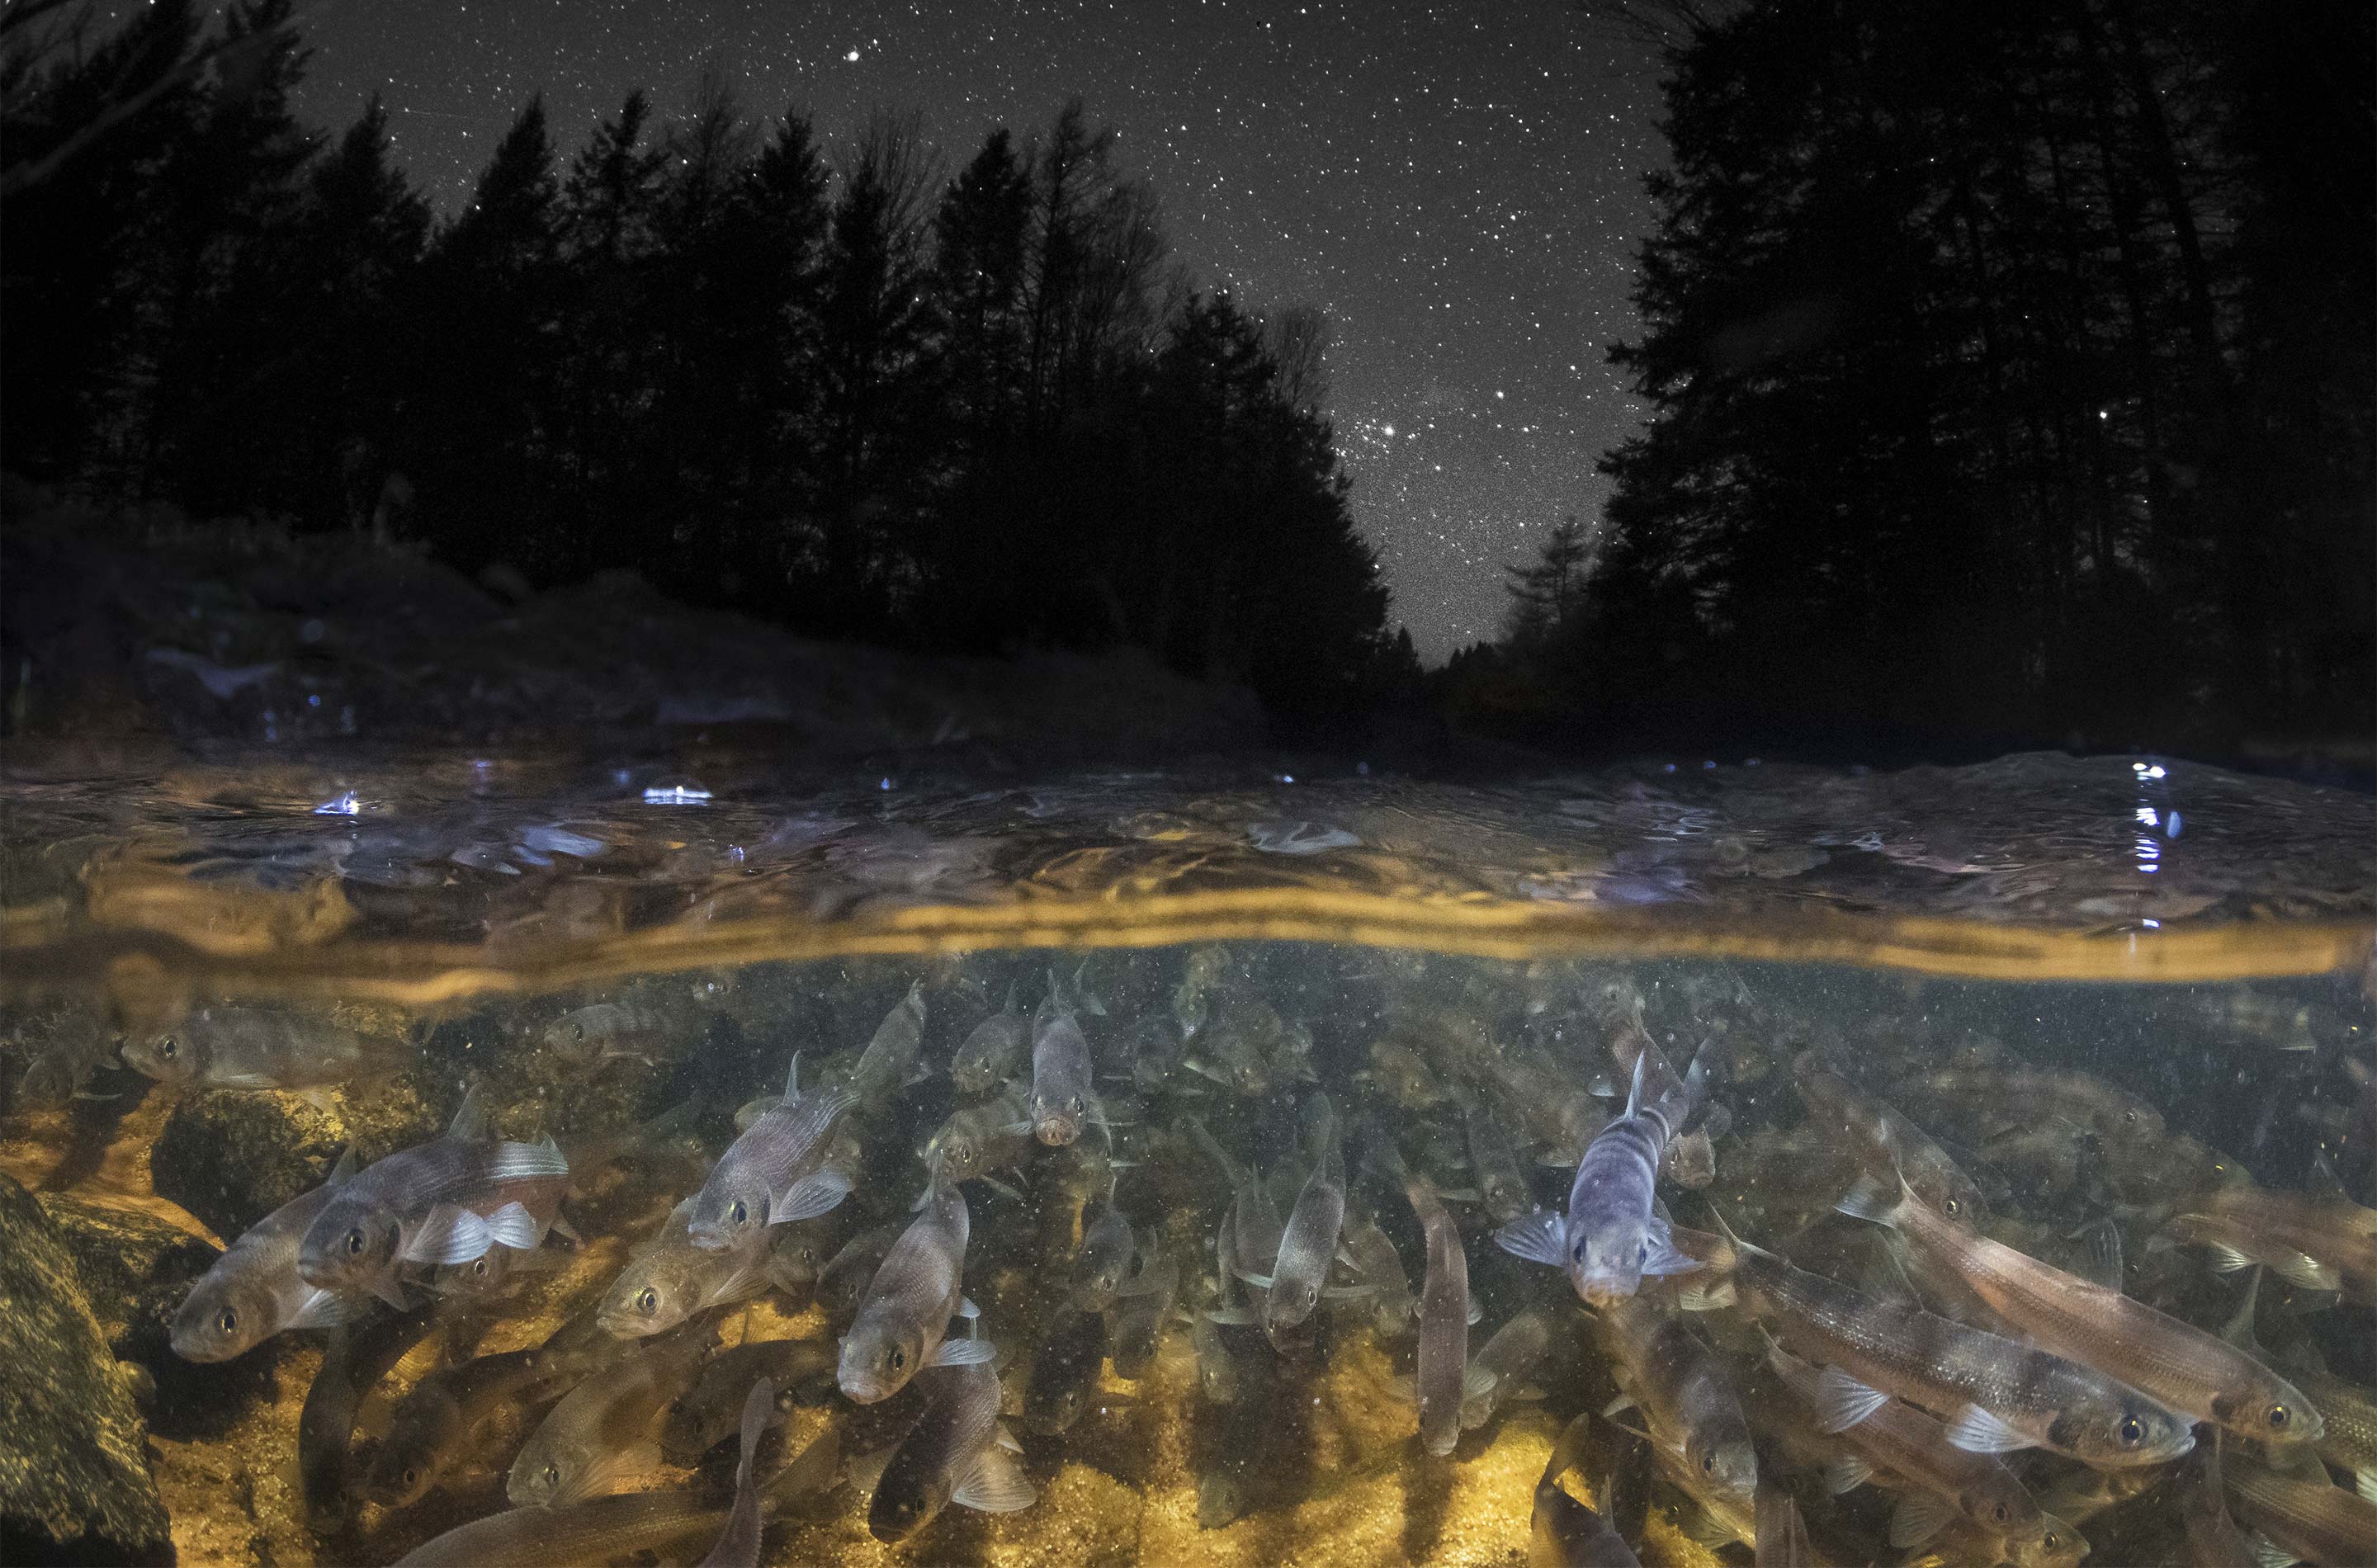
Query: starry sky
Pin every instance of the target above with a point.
(1458, 186)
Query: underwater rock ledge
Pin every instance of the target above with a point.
(74, 1486)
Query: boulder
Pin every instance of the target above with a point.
(136, 1269)
(74, 1486)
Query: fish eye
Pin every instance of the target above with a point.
(1997, 1514)
(552, 1475)
(739, 1213)
(648, 1300)
(899, 1357)
(1579, 1248)
(411, 1478)
(1708, 1464)
(2279, 1417)
(1074, 1105)
(479, 1265)
(227, 1320)
(2133, 1429)
(2130, 1117)
(1953, 1207)
(167, 1047)
(355, 1242)
(2052, 1540)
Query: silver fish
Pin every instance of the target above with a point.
(1610, 1239)
(1380, 1267)
(443, 1202)
(1071, 1353)
(1063, 1098)
(738, 1543)
(255, 1048)
(1494, 1167)
(707, 1413)
(1685, 1395)
(957, 1453)
(977, 1139)
(670, 1278)
(1440, 1380)
(253, 1291)
(992, 1051)
(357, 1357)
(621, 1526)
(1564, 1532)
(891, 1056)
(606, 1031)
(905, 1314)
(438, 1419)
(1135, 1322)
(776, 1171)
(1307, 1243)
(601, 1432)
(1221, 1376)
(1500, 1372)
(1102, 1269)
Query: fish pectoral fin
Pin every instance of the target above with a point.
(2101, 1246)
(1538, 1237)
(512, 1226)
(1706, 1296)
(2303, 1269)
(1459, 1194)
(1919, 1516)
(1404, 1387)
(1868, 1198)
(1476, 1312)
(1477, 1383)
(450, 1234)
(1233, 1317)
(1341, 1292)
(1846, 1474)
(962, 1353)
(1259, 1281)
(1842, 1402)
(469, 1124)
(2228, 1260)
(967, 1309)
(2365, 1483)
(1006, 1439)
(2269, 1554)
(325, 1308)
(1660, 1259)
(818, 1192)
(1004, 1190)
(389, 1291)
(993, 1483)
(1977, 1432)
(1622, 1403)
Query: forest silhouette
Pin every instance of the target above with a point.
(2013, 374)
(811, 380)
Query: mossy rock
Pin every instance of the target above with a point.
(74, 1486)
(233, 1156)
(136, 1269)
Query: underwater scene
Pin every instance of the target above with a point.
(517, 1159)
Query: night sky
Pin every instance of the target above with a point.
(1458, 186)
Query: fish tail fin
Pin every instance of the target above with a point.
(1877, 1198)
(1568, 1450)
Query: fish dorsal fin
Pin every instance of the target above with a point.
(2323, 1181)
(2239, 1330)
(1634, 1093)
(471, 1124)
(346, 1166)
(793, 1079)
(1012, 1010)
(2100, 1242)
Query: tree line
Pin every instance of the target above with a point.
(814, 379)
(2013, 367)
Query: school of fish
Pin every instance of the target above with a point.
(1804, 1294)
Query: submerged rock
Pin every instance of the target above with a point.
(234, 1156)
(74, 1473)
(135, 1268)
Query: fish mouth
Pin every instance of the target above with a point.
(709, 1235)
(1055, 1131)
(191, 1346)
(628, 1325)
